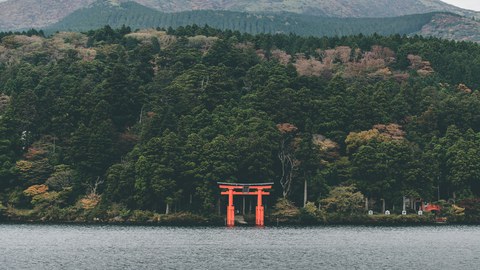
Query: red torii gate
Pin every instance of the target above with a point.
(244, 189)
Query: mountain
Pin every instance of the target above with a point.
(332, 8)
(138, 16)
(452, 27)
(21, 14)
(443, 25)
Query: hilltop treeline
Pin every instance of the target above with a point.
(139, 17)
(110, 121)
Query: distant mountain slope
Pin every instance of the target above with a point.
(138, 16)
(332, 8)
(441, 25)
(452, 27)
(21, 14)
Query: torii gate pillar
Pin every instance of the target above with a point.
(230, 209)
(244, 189)
(259, 213)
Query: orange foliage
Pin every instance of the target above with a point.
(4, 101)
(373, 63)
(24, 165)
(423, 68)
(384, 53)
(392, 131)
(324, 143)
(90, 201)
(34, 152)
(383, 72)
(286, 128)
(401, 77)
(379, 133)
(45, 197)
(244, 46)
(282, 57)
(309, 67)
(328, 148)
(463, 88)
(35, 190)
(261, 54)
(128, 136)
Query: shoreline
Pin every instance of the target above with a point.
(216, 224)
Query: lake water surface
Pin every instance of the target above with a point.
(136, 247)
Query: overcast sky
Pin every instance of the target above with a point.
(469, 4)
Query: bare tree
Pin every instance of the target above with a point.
(286, 155)
(93, 187)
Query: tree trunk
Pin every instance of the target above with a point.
(305, 193)
(167, 209)
(366, 203)
(383, 206)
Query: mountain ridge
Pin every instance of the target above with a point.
(19, 14)
(442, 25)
(332, 8)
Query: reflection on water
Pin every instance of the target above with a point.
(343, 247)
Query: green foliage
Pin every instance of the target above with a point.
(2, 211)
(153, 125)
(399, 219)
(472, 209)
(61, 178)
(345, 200)
(309, 213)
(285, 212)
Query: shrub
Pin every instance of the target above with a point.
(46, 197)
(181, 218)
(472, 209)
(141, 216)
(35, 190)
(344, 199)
(90, 201)
(309, 213)
(117, 212)
(286, 211)
(2, 211)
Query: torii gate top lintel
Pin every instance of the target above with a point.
(244, 189)
(241, 185)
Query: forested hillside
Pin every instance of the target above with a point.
(104, 124)
(140, 17)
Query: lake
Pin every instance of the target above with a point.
(142, 247)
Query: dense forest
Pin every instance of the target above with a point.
(138, 16)
(115, 124)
